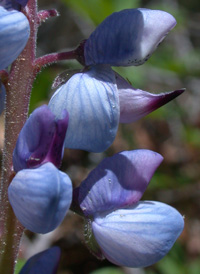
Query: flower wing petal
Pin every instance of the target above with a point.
(91, 98)
(138, 236)
(14, 34)
(40, 197)
(118, 181)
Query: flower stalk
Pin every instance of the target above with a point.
(18, 90)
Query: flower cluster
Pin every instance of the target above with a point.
(40, 194)
(84, 113)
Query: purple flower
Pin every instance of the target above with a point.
(14, 33)
(40, 140)
(40, 194)
(43, 262)
(97, 99)
(118, 226)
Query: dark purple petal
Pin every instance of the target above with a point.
(118, 181)
(136, 103)
(40, 140)
(45, 262)
(22, 2)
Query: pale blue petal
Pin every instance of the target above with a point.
(45, 262)
(14, 34)
(91, 99)
(138, 236)
(118, 181)
(128, 37)
(40, 197)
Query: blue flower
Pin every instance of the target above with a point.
(14, 32)
(40, 197)
(40, 194)
(118, 226)
(127, 37)
(97, 99)
(43, 262)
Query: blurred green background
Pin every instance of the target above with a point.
(173, 130)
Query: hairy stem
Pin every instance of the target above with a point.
(18, 90)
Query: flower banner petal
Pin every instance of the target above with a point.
(118, 181)
(127, 37)
(43, 262)
(40, 197)
(138, 236)
(136, 103)
(14, 34)
(91, 98)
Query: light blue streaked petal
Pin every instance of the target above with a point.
(40, 197)
(138, 236)
(118, 181)
(91, 99)
(14, 34)
(128, 37)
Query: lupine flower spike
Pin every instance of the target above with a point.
(97, 98)
(119, 226)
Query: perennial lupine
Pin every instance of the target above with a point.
(117, 225)
(40, 194)
(97, 99)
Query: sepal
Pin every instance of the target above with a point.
(91, 98)
(40, 197)
(138, 236)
